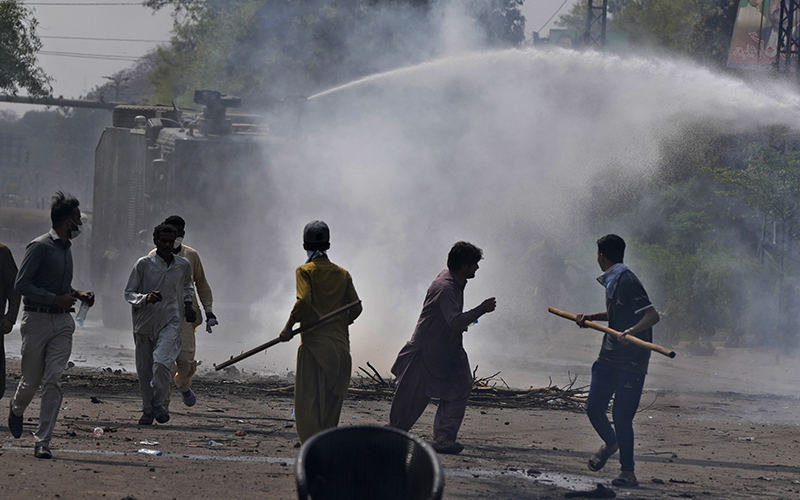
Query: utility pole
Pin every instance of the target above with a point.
(118, 81)
(786, 60)
(596, 15)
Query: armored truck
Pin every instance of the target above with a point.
(210, 168)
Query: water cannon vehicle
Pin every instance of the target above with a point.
(209, 167)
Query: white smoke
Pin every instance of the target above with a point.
(496, 148)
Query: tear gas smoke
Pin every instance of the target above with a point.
(496, 148)
(499, 148)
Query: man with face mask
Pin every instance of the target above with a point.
(44, 280)
(159, 283)
(185, 365)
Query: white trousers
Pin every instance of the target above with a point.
(46, 347)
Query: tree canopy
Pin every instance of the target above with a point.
(264, 50)
(18, 47)
(700, 29)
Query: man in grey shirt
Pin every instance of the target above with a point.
(45, 282)
(158, 284)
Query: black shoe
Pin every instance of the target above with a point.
(626, 479)
(162, 415)
(14, 424)
(146, 419)
(42, 451)
(445, 447)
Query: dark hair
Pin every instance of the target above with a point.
(612, 247)
(175, 220)
(463, 253)
(163, 228)
(322, 245)
(62, 207)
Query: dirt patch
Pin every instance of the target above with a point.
(239, 442)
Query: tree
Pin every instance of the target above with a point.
(501, 20)
(575, 19)
(770, 184)
(700, 29)
(18, 47)
(264, 50)
(131, 85)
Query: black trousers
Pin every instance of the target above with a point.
(2, 366)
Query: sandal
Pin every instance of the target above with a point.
(599, 459)
(626, 479)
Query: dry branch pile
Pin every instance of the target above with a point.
(369, 385)
(485, 392)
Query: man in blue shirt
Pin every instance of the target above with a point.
(621, 367)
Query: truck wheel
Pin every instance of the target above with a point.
(124, 116)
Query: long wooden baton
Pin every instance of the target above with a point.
(264, 347)
(633, 340)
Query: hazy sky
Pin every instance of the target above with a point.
(67, 20)
(537, 12)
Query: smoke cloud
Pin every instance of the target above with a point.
(499, 148)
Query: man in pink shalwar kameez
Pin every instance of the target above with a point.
(434, 364)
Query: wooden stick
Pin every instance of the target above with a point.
(264, 347)
(633, 340)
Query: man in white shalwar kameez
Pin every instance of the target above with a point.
(158, 284)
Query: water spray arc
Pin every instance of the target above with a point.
(496, 148)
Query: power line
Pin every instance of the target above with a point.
(554, 15)
(103, 39)
(90, 56)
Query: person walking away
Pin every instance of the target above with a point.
(9, 306)
(186, 364)
(157, 286)
(434, 364)
(45, 282)
(620, 370)
(323, 357)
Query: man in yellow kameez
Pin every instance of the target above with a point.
(323, 358)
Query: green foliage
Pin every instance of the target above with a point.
(264, 50)
(501, 20)
(687, 231)
(18, 47)
(711, 38)
(700, 29)
(130, 85)
(697, 250)
(666, 24)
(575, 19)
(770, 183)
